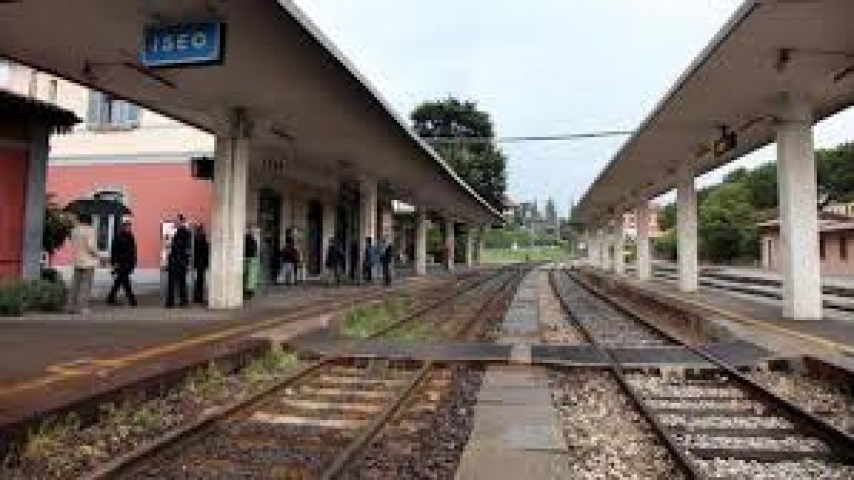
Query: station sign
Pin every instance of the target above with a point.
(183, 44)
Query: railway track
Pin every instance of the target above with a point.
(317, 422)
(716, 423)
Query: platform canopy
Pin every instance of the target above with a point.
(726, 104)
(307, 103)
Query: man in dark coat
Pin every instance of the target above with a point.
(335, 260)
(201, 262)
(123, 261)
(177, 264)
(387, 261)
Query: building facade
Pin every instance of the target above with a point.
(836, 244)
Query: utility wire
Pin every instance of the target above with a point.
(536, 138)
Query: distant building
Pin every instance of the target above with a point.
(836, 244)
(630, 223)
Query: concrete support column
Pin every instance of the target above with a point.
(644, 259)
(36, 199)
(470, 234)
(686, 229)
(605, 240)
(329, 209)
(449, 244)
(619, 246)
(478, 246)
(367, 218)
(420, 260)
(229, 214)
(796, 177)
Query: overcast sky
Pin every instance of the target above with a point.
(538, 67)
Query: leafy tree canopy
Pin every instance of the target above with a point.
(480, 164)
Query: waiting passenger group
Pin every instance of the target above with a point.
(189, 250)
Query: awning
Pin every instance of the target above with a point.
(766, 49)
(299, 90)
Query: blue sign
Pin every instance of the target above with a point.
(182, 44)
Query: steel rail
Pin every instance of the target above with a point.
(670, 443)
(159, 444)
(838, 440)
(351, 453)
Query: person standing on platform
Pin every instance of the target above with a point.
(370, 261)
(354, 262)
(290, 260)
(177, 264)
(123, 261)
(335, 261)
(86, 259)
(250, 264)
(387, 261)
(201, 263)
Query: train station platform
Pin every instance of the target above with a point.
(52, 360)
(758, 319)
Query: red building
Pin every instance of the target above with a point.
(153, 192)
(25, 128)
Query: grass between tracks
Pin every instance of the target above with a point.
(62, 447)
(538, 254)
(364, 321)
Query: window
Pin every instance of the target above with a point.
(109, 113)
(843, 247)
(105, 225)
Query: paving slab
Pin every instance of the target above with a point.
(517, 433)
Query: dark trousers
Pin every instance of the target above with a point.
(122, 281)
(368, 273)
(199, 287)
(387, 274)
(176, 285)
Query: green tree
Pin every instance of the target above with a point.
(835, 170)
(57, 226)
(481, 164)
(667, 217)
(727, 229)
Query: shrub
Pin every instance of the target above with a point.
(12, 300)
(45, 296)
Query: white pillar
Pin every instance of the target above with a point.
(686, 229)
(329, 210)
(367, 217)
(605, 247)
(619, 246)
(420, 260)
(449, 244)
(478, 248)
(36, 199)
(644, 264)
(470, 233)
(229, 214)
(796, 177)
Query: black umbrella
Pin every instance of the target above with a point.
(92, 206)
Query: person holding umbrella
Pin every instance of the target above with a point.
(123, 261)
(86, 259)
(177, 263)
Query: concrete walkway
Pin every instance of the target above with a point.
(516, 433)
